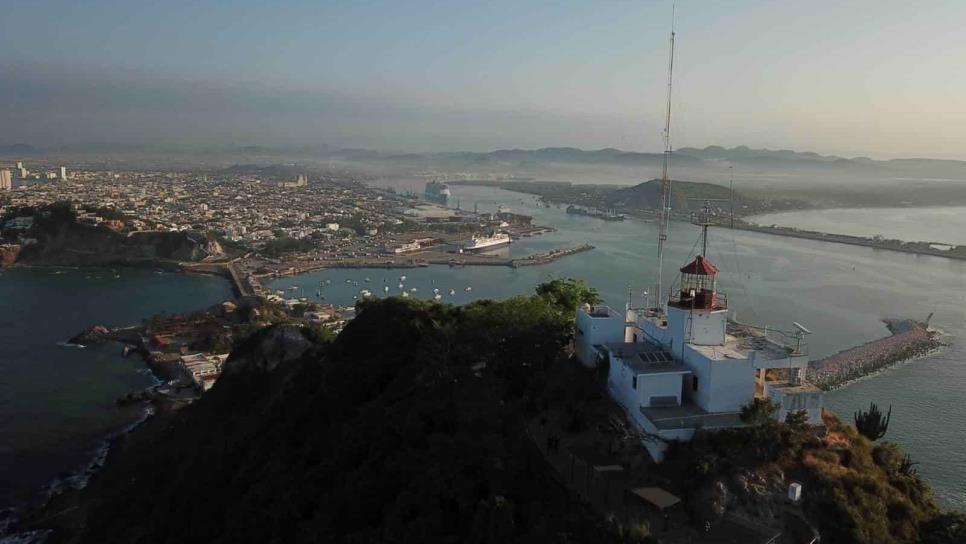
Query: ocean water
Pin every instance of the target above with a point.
(946, 225)
(56, 401)
(839, 292)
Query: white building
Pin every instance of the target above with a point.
(6, 181)
(203, 369)
(63, 173)
(688, 366)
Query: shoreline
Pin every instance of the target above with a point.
(956, 252)
(28, 523)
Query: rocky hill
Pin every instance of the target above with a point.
(411, 426)
(61, 240)
(390, 434)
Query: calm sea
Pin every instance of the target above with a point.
(946, 225)
(56, 401)
(840, 292)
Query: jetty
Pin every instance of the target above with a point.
(549, 256)
(909, 339)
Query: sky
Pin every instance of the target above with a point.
(876, 78)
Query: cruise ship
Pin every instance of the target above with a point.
(437, 192)
(483, 242)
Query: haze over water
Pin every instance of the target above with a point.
(840, 292)
(946, 225)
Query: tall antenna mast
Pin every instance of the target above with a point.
(665, 182)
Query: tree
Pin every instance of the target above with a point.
(872, 424)
(760, 411)
(568, 293)
(797, 420)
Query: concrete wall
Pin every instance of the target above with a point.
(723, 385)
(699, 327)
(810, 402)
(591, 331)
(658, 385)
(619, 383)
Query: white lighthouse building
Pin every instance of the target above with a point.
(685, 365)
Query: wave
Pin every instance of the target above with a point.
(79, 479)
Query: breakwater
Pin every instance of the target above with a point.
(907, 342)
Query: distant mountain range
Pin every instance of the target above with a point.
(748, 158)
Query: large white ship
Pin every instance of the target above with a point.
(482, 242)
(437, 192)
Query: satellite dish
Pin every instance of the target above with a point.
(801, 327)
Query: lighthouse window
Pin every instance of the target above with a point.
(694, 383)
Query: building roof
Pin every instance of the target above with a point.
(700, 266)
(656, 496)
(646, 358)
(689, 416)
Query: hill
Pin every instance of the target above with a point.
(392, 433)
(411, 426)
(60, 240)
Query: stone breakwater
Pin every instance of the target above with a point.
(852, 364)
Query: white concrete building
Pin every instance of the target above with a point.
(687, 366)
(6, 180)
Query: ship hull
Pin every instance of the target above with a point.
(485, 247)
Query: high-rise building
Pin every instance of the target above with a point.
(6, 182)
(21, 170)
(63, 173)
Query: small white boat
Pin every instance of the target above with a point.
(402, 278)
(452, 292)
(437, 296)
(413, 290)
(386, 288)
(405, 294)
(436, 290)
(401, 286)
(468, 288)
(367, 280)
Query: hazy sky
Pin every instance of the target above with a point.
(863, 77)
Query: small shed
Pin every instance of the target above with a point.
(656, 497)
(659, 501)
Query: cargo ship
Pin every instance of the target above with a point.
(437, 192)
(610, 215)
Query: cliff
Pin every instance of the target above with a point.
(60, 240)
(411, 426)
(386, 434)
